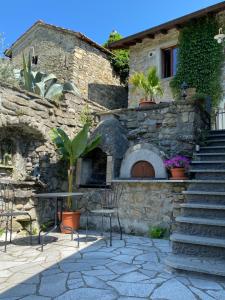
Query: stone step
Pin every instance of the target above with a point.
(213, 141)
(201, 221)
(208, 173)
(205, 199)
(219, 131)
(197, 240)
(209, 156)
(212, 149)
(216, 136)
(202, 206)
(213, 185)
(205, 265)
(210, 213)
(211, 193)
(207, 164)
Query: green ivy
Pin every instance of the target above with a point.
(120, 57)
(200, 59)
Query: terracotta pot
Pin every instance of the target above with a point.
(178, 174)
(144, 103)
(70, 219)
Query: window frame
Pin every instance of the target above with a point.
(171, 48)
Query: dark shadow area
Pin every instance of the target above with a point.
(110, 96)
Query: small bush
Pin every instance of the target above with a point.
(157, 232)
(1, 231)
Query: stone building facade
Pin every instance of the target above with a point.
(147, 49)
(148, 54)
(72, 56)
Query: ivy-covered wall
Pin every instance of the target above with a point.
(200, 58)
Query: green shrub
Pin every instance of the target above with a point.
(157, 232)
(120, 57)
(1, 231)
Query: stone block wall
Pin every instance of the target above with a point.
(72, 59)
(146, 54)
(26, 120)
(143, 204)
(173, 128)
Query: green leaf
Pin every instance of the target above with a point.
(54, 92)
(79, 143)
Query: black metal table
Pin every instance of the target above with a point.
(57, 197)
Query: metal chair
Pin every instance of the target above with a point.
(109, 207)
(7, 211)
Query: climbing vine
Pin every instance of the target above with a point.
(120, 57)
(200, 59)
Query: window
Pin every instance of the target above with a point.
(169, 61)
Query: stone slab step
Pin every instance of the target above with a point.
(215, 141)
(216, 135)
(203, 265)
(201, 221)
(208, 162)
(212, 193)
(207, 170)
(203, 206)
(209, 153)
(197, 240)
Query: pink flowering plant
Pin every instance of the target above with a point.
(178, 161)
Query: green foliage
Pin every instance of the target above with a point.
(42, 84)
(120, 57)
(44, 227)
(86, 117)
(199, 59)
(71, 149)
(157, 232)
(149, 84)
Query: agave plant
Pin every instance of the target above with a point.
(42, 84)
(149, 84)
(72, 149)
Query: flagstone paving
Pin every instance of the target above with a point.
(131, 269)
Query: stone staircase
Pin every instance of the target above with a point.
(198, 240)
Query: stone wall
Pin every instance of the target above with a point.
(173, 128)
(146, 54)
(26, 120)
(143, 204)
(70, 58)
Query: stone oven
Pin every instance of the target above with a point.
(143, 161)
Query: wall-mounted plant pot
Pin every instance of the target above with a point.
(178, 174)
(144, 103)
(69, 219)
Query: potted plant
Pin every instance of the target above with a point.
(148, 84)
(70, 150)
(177, 165)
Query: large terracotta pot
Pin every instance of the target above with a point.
(178, 174)
(70, 219)
(145, 103)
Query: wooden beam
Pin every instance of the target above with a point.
(164, 31)
(150, 36)
(178, 26)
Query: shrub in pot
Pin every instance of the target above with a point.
(70, 150)
(177, 166)
(148, 84)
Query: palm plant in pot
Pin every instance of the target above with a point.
(177, 166)
(70, 150)
(148, 84)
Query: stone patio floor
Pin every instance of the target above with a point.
(131, 269)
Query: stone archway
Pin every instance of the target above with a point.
(143, 152)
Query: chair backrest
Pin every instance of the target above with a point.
(111, 196)
(7, 197)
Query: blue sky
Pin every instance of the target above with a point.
(96, 18)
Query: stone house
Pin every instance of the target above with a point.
(71, 56)
(157, 46)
